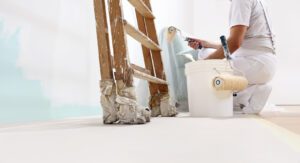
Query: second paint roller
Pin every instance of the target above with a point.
(172, 31)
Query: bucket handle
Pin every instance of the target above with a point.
(220, 72)
(232, 68)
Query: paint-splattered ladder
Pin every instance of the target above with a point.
(145, 34)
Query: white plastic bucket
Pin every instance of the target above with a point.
(204, 100)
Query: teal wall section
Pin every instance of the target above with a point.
(22, 100)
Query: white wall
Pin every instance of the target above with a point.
(286, 24)
(211, 18)
(57, 48)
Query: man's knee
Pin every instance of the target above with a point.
(258, 99)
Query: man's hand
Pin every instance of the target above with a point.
(195, 43)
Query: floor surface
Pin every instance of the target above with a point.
(272, 138)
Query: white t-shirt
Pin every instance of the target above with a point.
(250, 13)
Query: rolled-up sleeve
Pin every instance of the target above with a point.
(240, 12)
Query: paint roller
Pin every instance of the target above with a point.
(226, 82)
(175, 37)
(172, 31)
(229, 82)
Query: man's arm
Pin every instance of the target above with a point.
(235, 40)
(212, 45)
(194, 43)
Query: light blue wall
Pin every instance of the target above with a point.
(23, 100)
(20, 99)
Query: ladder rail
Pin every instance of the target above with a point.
(142, 8)
(149, 29)
(103, 40)
(121, 60)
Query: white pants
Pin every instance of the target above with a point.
(259, 68)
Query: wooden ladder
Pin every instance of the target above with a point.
(145, 34)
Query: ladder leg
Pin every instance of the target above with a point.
(103, 40)
(119, 42)
(160, 100)
(148, 60)
(129, 111)
(147, 55)
(107, 85)
(156, 55)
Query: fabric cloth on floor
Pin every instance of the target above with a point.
(108, 97)
(161, 105)
(166, 109)
(121, 108)
(129, 111)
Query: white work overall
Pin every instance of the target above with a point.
(258, 64)
(259, 69)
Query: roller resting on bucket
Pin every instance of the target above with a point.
(251, 43)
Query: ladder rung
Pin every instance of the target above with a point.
(148, 77)
(142, 8)
(141, 69)
(140, 37)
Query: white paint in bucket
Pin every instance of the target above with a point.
(204, 100)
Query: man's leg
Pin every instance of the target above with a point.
(242, 98)
(258, 99)
(259, 71)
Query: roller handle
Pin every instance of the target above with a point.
(225, 47)
(224, 41)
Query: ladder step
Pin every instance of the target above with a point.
(150, 78)
(142, 8)
(141, 69)
(140, 37)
